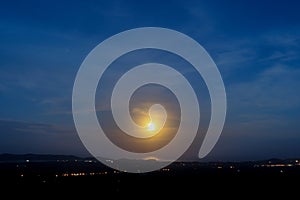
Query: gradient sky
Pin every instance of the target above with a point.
(255, 44)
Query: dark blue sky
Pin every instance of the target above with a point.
(255, 44)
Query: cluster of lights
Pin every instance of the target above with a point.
(270, 164)
(85, 174)
(82, 174)
(277, 165)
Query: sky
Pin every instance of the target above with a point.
(255, 44)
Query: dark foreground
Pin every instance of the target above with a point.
(89, 176)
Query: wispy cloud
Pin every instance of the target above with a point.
(272, 89)
(20, 137)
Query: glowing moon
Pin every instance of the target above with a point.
(151, 126)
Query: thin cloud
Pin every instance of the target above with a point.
(20, 137)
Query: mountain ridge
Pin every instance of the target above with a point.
(9, 157)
